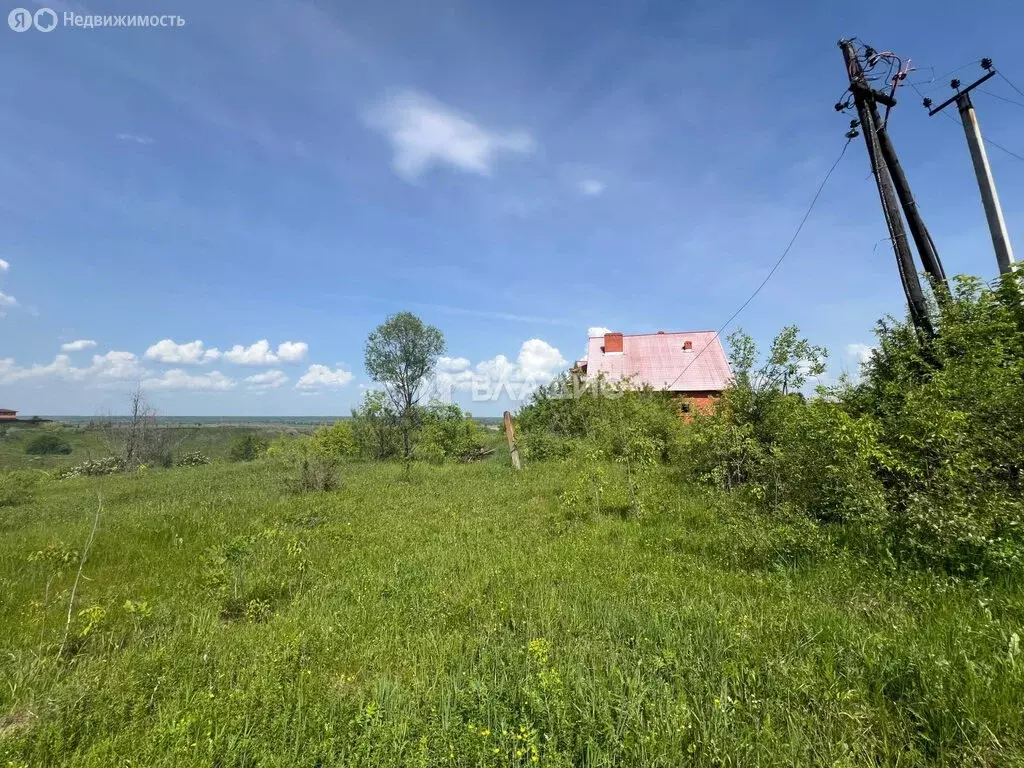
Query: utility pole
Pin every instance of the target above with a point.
(864, 98)
(922, 238)
(982, 170)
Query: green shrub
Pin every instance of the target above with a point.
(540, 445)
(336, 440)
(375, 427)
(950, 420)
(309, 465)
(607, 416)
(823, 464)
(794, 456)
(248, 447)
(445, 433)
(48, 444)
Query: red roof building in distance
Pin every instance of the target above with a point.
(7, 414)
(690, 363)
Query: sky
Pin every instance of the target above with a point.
(222, 211)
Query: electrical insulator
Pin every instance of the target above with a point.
(986, 63)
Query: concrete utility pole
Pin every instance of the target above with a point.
(864, 98)
(982, 170)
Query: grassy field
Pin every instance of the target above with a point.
(460, 619)
(87, 442)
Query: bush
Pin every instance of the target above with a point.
(336, 440)
(248, 447)
(950, 421)
(541, 445)
(94, 467)
(309, 465)
(375, 427)
(17, 487)
(48, 444)
(608, 417)
(445, 433)
(193, 459)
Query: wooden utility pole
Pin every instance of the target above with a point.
(982, 170)
(510, 434)
(922, 238)
(864, 99)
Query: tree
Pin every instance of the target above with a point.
(137, 438)
(375, 426)
(401, 355)
(790, 362)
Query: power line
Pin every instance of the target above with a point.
(771, 272)
(986, 140)
(943, 77)
(1001, 98)
(1018, 90)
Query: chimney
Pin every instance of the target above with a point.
(687, 346)
(612, 342)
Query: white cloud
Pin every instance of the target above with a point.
(191, 353)
(113, 366)
(425, 133)
(452, 364)
(133, 138)
(861, 353)
(322, 376)
(292, 351)
(257, 354)
(176, 378)
(591, 187)
(6, 300)
(597, 330)
(77, 346)
(268, 380)
(537, 363)
(261, 353)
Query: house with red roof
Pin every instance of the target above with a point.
(690, 364)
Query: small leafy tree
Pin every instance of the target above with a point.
(375, 427)
(248, 446)
(401, 355)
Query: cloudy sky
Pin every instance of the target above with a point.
(224, 210)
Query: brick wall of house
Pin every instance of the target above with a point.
(690, 401)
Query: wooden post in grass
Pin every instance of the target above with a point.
(510, 434)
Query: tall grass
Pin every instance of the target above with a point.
(461, 619)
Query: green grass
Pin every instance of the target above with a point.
(459, 619)
(88, 442)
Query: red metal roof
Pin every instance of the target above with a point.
(659, 360)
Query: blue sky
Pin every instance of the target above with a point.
(515, 173)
